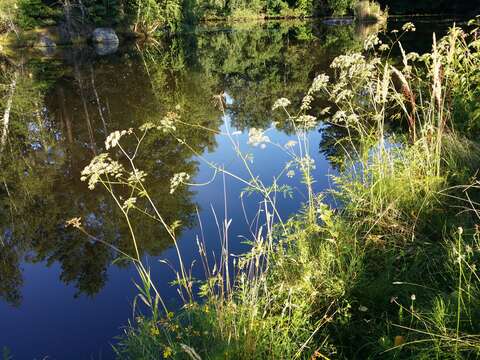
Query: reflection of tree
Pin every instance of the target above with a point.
(51, 141)
(258, 65)
(10, 274)
(61, 115)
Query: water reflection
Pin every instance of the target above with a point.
(51, 139)
(65, 106)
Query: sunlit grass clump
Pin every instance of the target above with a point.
(369, 11)
(8, 13)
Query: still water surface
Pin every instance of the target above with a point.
(60, 295)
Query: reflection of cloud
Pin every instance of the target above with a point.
(228, 98)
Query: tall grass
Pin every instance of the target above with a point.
(369, 11)
(152, 16)
(8, 14)
(391, 272)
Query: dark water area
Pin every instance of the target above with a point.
(61, 295)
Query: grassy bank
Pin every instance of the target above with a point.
(76, 19)
(390, 272)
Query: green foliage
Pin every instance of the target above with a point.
(35, 13)
(466, 90)
(392, 272)
(151, 16)
(8, 15)
(340, 7)
(26, 14)
(430, 7)
(104, 12)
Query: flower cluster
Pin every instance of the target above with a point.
(147, 126)
(101, 165)
(129, 203)
(177, 180)
(113, 139)
(354, 66)
(137, 176)
(307, 122)
(339, 117)
(75, 222)
(306, 163)
(281, 103)
(384, 47)
(319, 83)
(167, 124)
(408, 27)
(371, 42)
(257, 137)
(290, 144)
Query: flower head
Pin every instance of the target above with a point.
(257, 137)
(114, 138)
(307, 121)
(129, 203)
(290, 144)
(177, 180)
(408, 27)
(319, 83)
(282, 102)
(167, 124)
(75, 222)
(99, 166)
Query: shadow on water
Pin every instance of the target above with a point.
(64, 105)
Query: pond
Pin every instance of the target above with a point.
(62, 296)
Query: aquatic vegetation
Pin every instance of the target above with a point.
(392, 271)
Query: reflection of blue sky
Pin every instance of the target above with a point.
(216, 197)
(57, 318)
(61, 326)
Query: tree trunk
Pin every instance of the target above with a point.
(6, 114)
